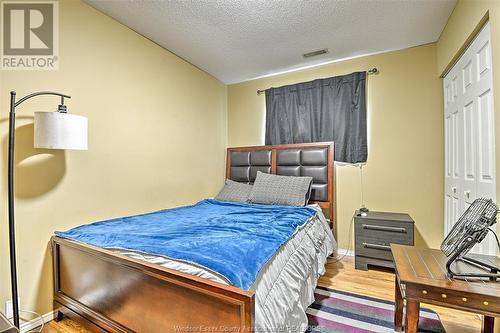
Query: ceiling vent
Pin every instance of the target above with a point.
(315, 53)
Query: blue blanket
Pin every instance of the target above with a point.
(232, 239)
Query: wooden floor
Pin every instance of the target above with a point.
(380, 283)
(342, 276)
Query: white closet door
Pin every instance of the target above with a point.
(470, 133)
(453, 172)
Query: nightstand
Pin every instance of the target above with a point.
(374, 233)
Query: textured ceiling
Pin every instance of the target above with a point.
(237, 40)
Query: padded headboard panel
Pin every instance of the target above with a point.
(311, 162)
(308, 159)
(245, 164)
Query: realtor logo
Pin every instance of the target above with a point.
(30, 35)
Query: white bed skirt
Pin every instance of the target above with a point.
(284, 287)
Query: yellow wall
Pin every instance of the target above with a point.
(404, 171)
(157, 139)
(155, 120)
(461, 27)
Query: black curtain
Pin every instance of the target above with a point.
(332, 109)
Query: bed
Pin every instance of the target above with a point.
(117, 290)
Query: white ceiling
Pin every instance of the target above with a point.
(238, 40)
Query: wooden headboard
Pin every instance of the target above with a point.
(304, 159)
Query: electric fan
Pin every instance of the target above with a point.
(471, 229)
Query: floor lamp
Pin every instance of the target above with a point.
(53, 130)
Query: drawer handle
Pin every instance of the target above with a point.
(383, 228)
(376, 246)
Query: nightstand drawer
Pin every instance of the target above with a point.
(401, 233)
(374, 248)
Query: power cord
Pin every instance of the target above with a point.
(337, 259)
(361, 185)
(496, 237)
(39, 316)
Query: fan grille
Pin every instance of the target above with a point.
(471, 228)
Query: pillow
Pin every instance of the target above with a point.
(281, 190)
(234, 191)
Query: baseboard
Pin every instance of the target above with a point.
(344, 252)
(37, 322)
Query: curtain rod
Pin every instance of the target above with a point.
(371, 71)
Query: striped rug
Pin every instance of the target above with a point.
(342, 312)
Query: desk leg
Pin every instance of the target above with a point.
(488, 324)
(398, 308)
(412, 314)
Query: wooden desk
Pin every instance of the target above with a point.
(421, 277)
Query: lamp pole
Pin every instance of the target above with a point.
(12, 233)
(10, 176)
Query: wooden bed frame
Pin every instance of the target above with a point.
(108, 292)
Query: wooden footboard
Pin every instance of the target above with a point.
(120, 294)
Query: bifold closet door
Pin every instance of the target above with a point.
(470, 133)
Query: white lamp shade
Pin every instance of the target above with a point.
(57, 130)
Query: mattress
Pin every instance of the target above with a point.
(284, 287)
